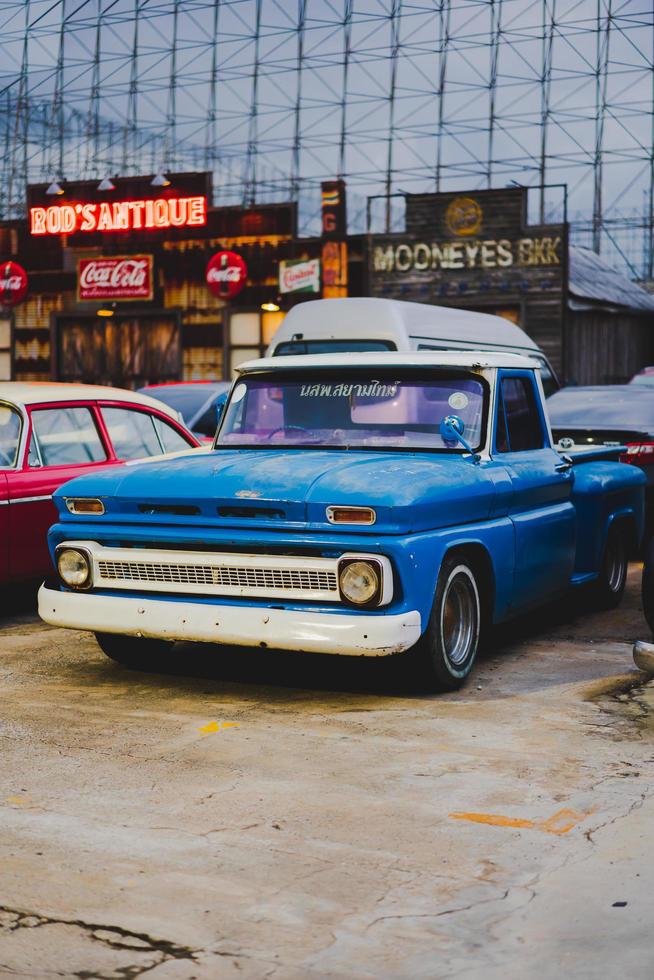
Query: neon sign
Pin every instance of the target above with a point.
(159, 212)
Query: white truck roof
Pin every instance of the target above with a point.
(477, 360)
(396, 321)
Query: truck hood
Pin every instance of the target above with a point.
(409, 491)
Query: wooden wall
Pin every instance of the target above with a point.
(476, 251)
(608, 348)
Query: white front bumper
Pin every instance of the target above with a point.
(345, 633)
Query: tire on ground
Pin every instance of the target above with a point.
(446, 652)
(609, 586)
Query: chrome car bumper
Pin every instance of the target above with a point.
(345, 633)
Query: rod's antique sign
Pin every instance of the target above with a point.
(124, 277)
(149, 214)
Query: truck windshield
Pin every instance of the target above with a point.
(359, 411)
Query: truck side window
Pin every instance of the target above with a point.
(523, 429)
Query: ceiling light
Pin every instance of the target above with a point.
(55, 188)
(160, 180)
(270, 307)
(106, 185)
(105, 312)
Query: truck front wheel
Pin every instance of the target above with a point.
(447, 650)
(612, 577)
(135, 652)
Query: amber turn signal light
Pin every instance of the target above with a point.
(84, 505)
(351, 515)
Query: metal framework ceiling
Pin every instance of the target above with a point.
(392, 95)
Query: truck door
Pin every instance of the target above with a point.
(541, 510)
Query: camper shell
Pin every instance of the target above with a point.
(365, 324)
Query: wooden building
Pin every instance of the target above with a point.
(117, 281)
(477, 251)
(610, 322)
(142, 279)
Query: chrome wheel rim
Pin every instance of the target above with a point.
(459, 617)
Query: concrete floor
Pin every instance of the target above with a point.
(267, 815)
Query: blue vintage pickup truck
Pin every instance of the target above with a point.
(395, 503)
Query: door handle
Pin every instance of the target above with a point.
(564, 465)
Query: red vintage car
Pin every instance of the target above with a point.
(50, 433)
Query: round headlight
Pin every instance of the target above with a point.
(359, 582)
(74, 567)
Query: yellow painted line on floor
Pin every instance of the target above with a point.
(494, 819)
(217, 726)
(561, 822)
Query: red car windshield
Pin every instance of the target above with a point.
(361, 411)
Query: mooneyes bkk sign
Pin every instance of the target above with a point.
(490, 253)
(472, 248)
(105, 216)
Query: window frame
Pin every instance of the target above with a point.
(151, 413)
(61, 406)
(22, 442)
(166, 420)
(505, 374)
(351, 373)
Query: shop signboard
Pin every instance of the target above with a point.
(459, 246)
(226, 274)
(334, 270)
(334, 221)
(299, 276)
(434, 256)
(13, 283)
(115, 277)
(117, 216)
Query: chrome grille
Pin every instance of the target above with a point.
(233, 576)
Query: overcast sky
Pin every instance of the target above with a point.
(174, 127)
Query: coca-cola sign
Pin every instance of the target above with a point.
(125, 277)
(13, 283)
(226, 274)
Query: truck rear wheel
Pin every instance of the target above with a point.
(446, 652)
(137, 653)
(610, 583)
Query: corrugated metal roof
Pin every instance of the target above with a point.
(594, 280)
